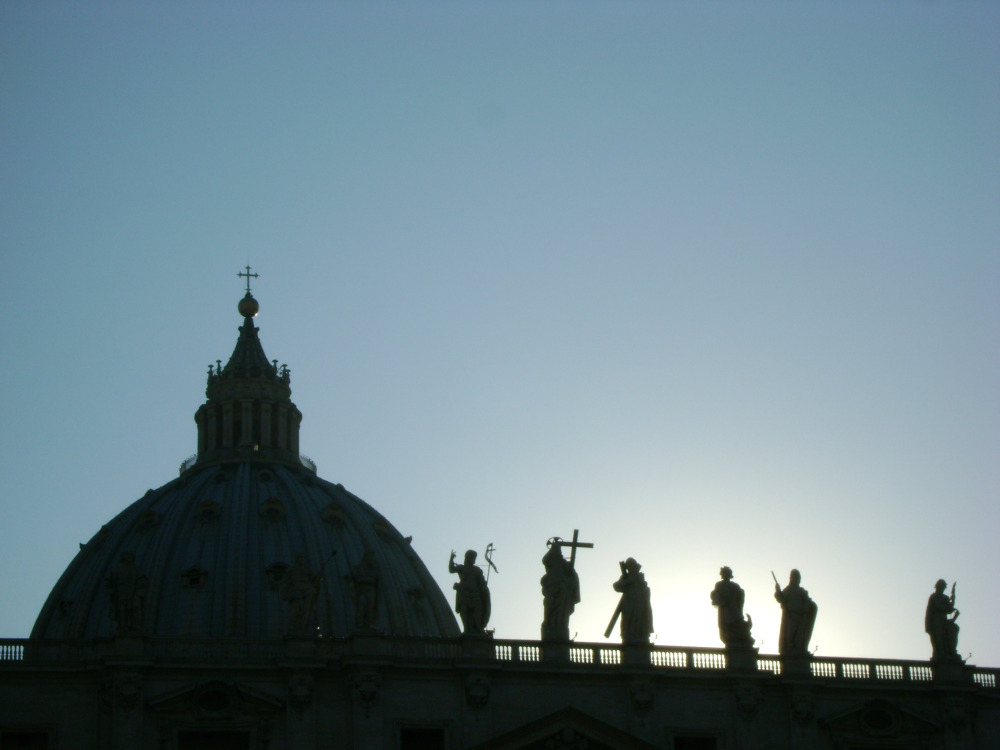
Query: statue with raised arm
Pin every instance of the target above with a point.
(560, 593)
(727, 598)
(364, 589)
(634, 607)
(798, 616)
(472, 597)
(940, 623)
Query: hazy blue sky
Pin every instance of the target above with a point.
(715, 283)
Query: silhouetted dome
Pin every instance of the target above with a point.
(213, 546)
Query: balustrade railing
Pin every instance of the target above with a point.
(708, 659)
(769, 664)
(986, 678)
(11, 650)
(23, 651)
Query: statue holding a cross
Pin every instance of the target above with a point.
(560, 587)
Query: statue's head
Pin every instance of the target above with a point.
(470, 557)
(795, 577)
(726, 572)
(554, 555)
(632, 566)
(940, 586)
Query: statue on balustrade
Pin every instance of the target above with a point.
(940, 623)
(472, 597)
(798, 616)
(364, 579)
(127, 586)
(300, 588)
(560, 593)
(728, 597)
(634, 607)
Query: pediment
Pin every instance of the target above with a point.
(566, 729)
(880, 720)
(215, 701)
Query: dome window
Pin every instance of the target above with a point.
(334, 515)
(275, 574)
(148, 519)
(98, 538)
(272, 509)
(207, 510)
(194, 578)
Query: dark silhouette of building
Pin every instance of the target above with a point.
(250, 604)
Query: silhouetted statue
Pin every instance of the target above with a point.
(798, 616)
(127, 586)
(727, 597)
(472, 597)
(300, 588)
(634, 606)
(364, 590)
(560, 593)
(939, 622)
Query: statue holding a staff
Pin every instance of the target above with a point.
(940, 623)
(798, 616)
(472, 597)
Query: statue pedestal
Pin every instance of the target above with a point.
(477, 646)
(796, 665)
(555, 650)
(741, 659)
(951, 670)
(636, 654)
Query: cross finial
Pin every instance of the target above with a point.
(248, 276)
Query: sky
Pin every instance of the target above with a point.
(715, 283)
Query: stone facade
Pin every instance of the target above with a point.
(378, 692)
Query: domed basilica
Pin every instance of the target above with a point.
(250, 604)
(208, 555)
